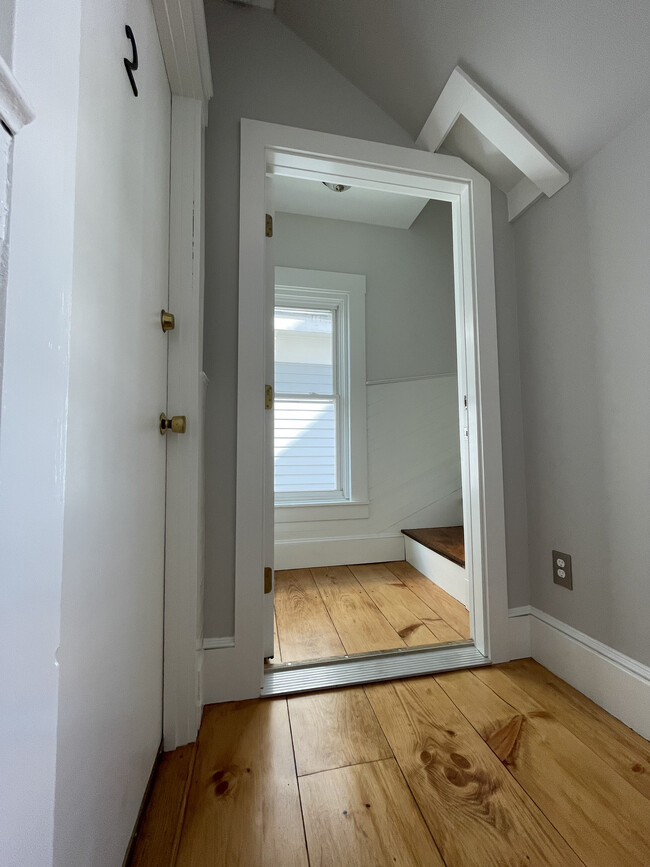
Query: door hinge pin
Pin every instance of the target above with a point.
(269, 226)
(268, 579)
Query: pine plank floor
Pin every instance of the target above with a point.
(336, 610)
(507, 765)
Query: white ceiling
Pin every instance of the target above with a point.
(572, 72)
(312, 199)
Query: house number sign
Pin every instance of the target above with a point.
(131, 65)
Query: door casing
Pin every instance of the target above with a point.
(269, 149)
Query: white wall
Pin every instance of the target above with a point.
(584, 307)
(261, 71)
(412, 431)
(34, 425)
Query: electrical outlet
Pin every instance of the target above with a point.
(562, 573)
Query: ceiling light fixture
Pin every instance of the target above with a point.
(336, 188)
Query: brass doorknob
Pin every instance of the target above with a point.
(176, 424)
(167, 321)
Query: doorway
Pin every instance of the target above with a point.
(270, 151)
(366, 424)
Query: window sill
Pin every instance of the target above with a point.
(295, 513)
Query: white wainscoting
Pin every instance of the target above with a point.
(616, 682)
(438, 569)
(344, 551)
(413, 472)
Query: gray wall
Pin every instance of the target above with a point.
(7, 18)
(263, 71)
(410, 323)
(584, 302)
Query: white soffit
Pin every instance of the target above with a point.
(358, 205)
(184, 41)
(467, 122)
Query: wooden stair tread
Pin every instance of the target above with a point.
(449, 542)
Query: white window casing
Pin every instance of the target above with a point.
(344, 296)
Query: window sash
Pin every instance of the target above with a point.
(295, 300)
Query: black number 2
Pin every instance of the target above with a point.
(131, 65)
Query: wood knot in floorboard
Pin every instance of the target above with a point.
(504, 741)
(225, 781)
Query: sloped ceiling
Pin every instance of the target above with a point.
(573, 72)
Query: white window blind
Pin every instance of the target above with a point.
(306, 401)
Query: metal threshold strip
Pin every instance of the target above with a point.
(285, 678)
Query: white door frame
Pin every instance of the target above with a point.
(237, 672)
(183, 39)
(183, 620)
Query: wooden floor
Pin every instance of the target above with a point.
(500, 766)
(334, 610)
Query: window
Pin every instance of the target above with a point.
(320, 409)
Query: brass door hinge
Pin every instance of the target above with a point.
(268, 579)
(269, 226)
(268, 397)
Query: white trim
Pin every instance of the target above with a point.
(216, 643)
(338, 551)
(292, 513)
(185, 395)
(615, 681)
(184, 41)
(463, 96)
(269, 148)
(519, 632)
(441, 571)
(15, 111)
(408, 378)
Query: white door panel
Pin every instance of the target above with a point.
(112, 612)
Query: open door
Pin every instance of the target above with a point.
(268, 150)
(269, 432)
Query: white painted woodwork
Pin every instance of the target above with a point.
(184, 42)
(472, 125)
(347, 292)
(374, 207)
(615, 681)
(15, 111)
(338, 550)
(237, 672)
(267, 307)
(111, 652)
(185, 396)
(33, 425)
(438, 569)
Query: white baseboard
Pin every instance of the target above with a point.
(519, 629)
(449, 576)
(613, 680)
(340, 551)
(215, 643)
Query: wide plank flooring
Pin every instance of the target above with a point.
(507, 765)
(336, 610)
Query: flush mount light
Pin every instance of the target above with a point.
(336, 188)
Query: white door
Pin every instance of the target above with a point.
(111, 651)
(269, 430)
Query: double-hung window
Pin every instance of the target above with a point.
(320, 404)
